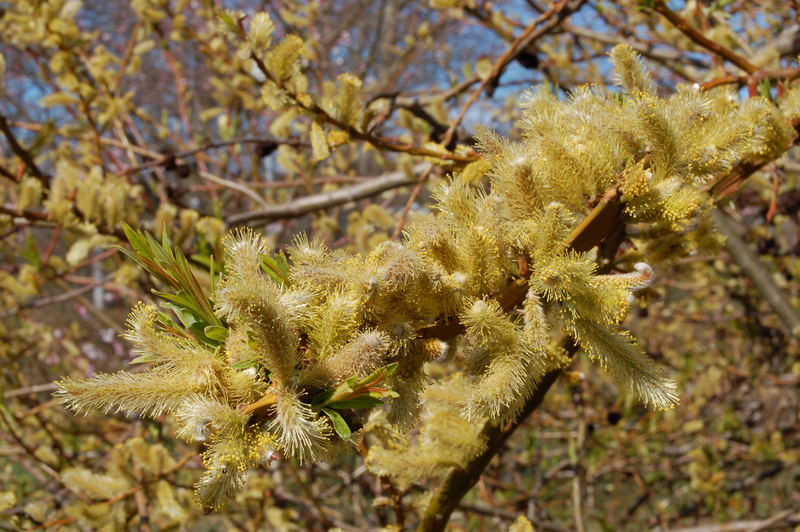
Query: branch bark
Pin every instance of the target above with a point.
(315, 202)
(449, 494)
(539, 27)
(786, 517)
(701, 40)
(758, 272)
(21, 152)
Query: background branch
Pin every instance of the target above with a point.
(757, 272)
(315, 202)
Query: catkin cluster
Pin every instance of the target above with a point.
(298, 358)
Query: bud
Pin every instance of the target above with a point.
(261, 29)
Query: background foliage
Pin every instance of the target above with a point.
(341, 121)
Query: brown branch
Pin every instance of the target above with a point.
(50, 300)
(483, 509)
(383, 143)
(295, 183)
(645, 48)
(448, 495)
(233, 185)
(444, 96)
(600, 222)
(758, 273)
(33, 216)
(772, 75)
(36, 388)
(315, 202)
(42, 218)
(701, 40)
(540, 26)
(730, 183)
(171, 157)
(8, 175)
(787, 517)
(21, 152)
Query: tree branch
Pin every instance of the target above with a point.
(383, 143)
(786, 517)
(773, 75)
(315, 202)
(540, 26)
(460, 480)
(757, 272)
(21, 152)
(701, 40)
(170, 158)
(233, 185)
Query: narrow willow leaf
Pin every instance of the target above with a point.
(244, 364)
(215, 332)
(364, 401)
(339, 424)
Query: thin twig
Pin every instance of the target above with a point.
(50, 300)
(540, 26)
(772, 75)
(701, 40)
(125, 494)
(411, 199)
(21, 152)
(786, 517)
(383, 143)
(36, 388)
(494, 511)
(164, 160)
(235, 186)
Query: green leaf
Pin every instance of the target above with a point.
(215, 332)
(321, 398)
(363, 401)
(339, 424)
(277, 267)
(166, 243)
(30, 253)
(170, 325)
(378, 375)
(141, 359)
(244, 364)
(197, 329)
(328, 396)
(169, 265)
(391, 368)
(180, 300)
(186, 316)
